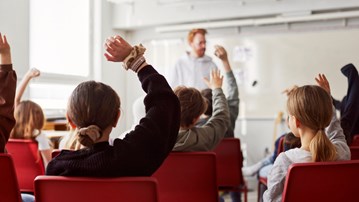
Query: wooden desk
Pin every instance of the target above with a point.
(57, 125)
(55, 136)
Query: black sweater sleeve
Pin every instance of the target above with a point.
(152, 140)
(7, 95)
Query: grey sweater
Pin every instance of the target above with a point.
(276, 177)
(206, 137)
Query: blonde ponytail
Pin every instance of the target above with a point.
(322, 148)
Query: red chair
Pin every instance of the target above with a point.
(27, 160)
(322, 181)
(229, 166)
(9, 188)
(55, 152)
(75, 189)
(354, 152)
(355, 141)
(188, 177)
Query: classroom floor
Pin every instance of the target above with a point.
(252, 190)
(252, 196)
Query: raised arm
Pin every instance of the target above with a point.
(32, 73)
(233, 93)
(334, 131)
(154, 137)
(7, 92)
(217, 125)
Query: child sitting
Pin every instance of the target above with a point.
(310, 111)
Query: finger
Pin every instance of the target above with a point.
(219, 72)
(111, 44)
(114, 43)
(325, 78)
(0, 38)
(5, 40)
(109, 57)
(122, 41)
(110, 50)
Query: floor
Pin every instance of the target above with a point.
(252, 190)
(252, 197)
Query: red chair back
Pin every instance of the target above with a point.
(229, 163)
(55, 152)
(355, 141)
(229, 166)
(75, 189)
(354, 152)
(27, 160)
(322, 181)
(9, 188)
(188, 177)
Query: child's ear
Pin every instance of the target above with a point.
(117, 118)
(72, 125)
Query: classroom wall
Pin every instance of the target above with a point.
(14, 22)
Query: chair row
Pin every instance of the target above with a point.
(74, 189)
(184, 176)
(354, 150)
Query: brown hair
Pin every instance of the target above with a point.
(93, 103)
(193, 32)
(207, 93)
(29, 117)
(312, 106)
(193, 104)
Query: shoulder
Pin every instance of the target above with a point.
(298, 155)
(41, 136)
(182, 58)
(206, 58)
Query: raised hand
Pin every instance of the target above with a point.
(220, 52)
(215, 81)
(117, 49)
(5, 56)
(323, 82)
(32, 73)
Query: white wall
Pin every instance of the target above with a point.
(14, 23)
(146, 13)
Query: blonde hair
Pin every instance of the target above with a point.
(193, 32)
(193, 104)
(29, 119)
(312, 106)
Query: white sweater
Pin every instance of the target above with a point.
(276, 177)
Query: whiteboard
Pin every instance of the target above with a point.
(278, 61)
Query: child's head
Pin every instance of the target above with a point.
(29, 118)
(312, 107)
(193, 104)
(93, 106)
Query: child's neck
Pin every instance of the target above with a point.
(305, 139)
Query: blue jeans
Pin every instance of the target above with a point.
(27, 198)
